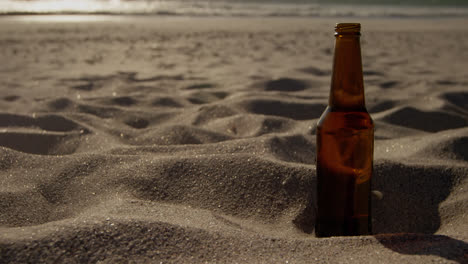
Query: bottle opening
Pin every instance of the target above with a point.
(348, 29)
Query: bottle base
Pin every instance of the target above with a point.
(356, 226)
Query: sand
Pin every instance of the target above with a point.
(192, 140)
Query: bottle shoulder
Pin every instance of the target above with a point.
(333, 118)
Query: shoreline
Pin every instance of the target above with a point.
(250, 24)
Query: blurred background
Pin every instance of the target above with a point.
(303, 8)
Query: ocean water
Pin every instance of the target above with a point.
(294, 8)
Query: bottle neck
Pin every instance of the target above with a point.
(347, 86)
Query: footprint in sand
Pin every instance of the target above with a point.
(166, 102)
(388, 84)
(11, 98)
(124, 101)
(138, 123)
(289, 109)
(431, 121)
(59, 104)
(381, 106)
(315, 71)
(203, 97)
(372, 73)
(84, 87)
(211, 112)
(459, 99)
(446, 82)
(46, 135)
(286, 85)
(200, 86)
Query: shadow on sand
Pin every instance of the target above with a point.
(407, 217)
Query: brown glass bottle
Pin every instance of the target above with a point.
(345, 145)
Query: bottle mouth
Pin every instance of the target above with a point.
(348, 29)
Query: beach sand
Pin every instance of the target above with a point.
(192, 140)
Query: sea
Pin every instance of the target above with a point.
(247, 8)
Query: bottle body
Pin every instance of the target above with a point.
(345, 145)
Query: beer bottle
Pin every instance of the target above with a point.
(345, 145)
